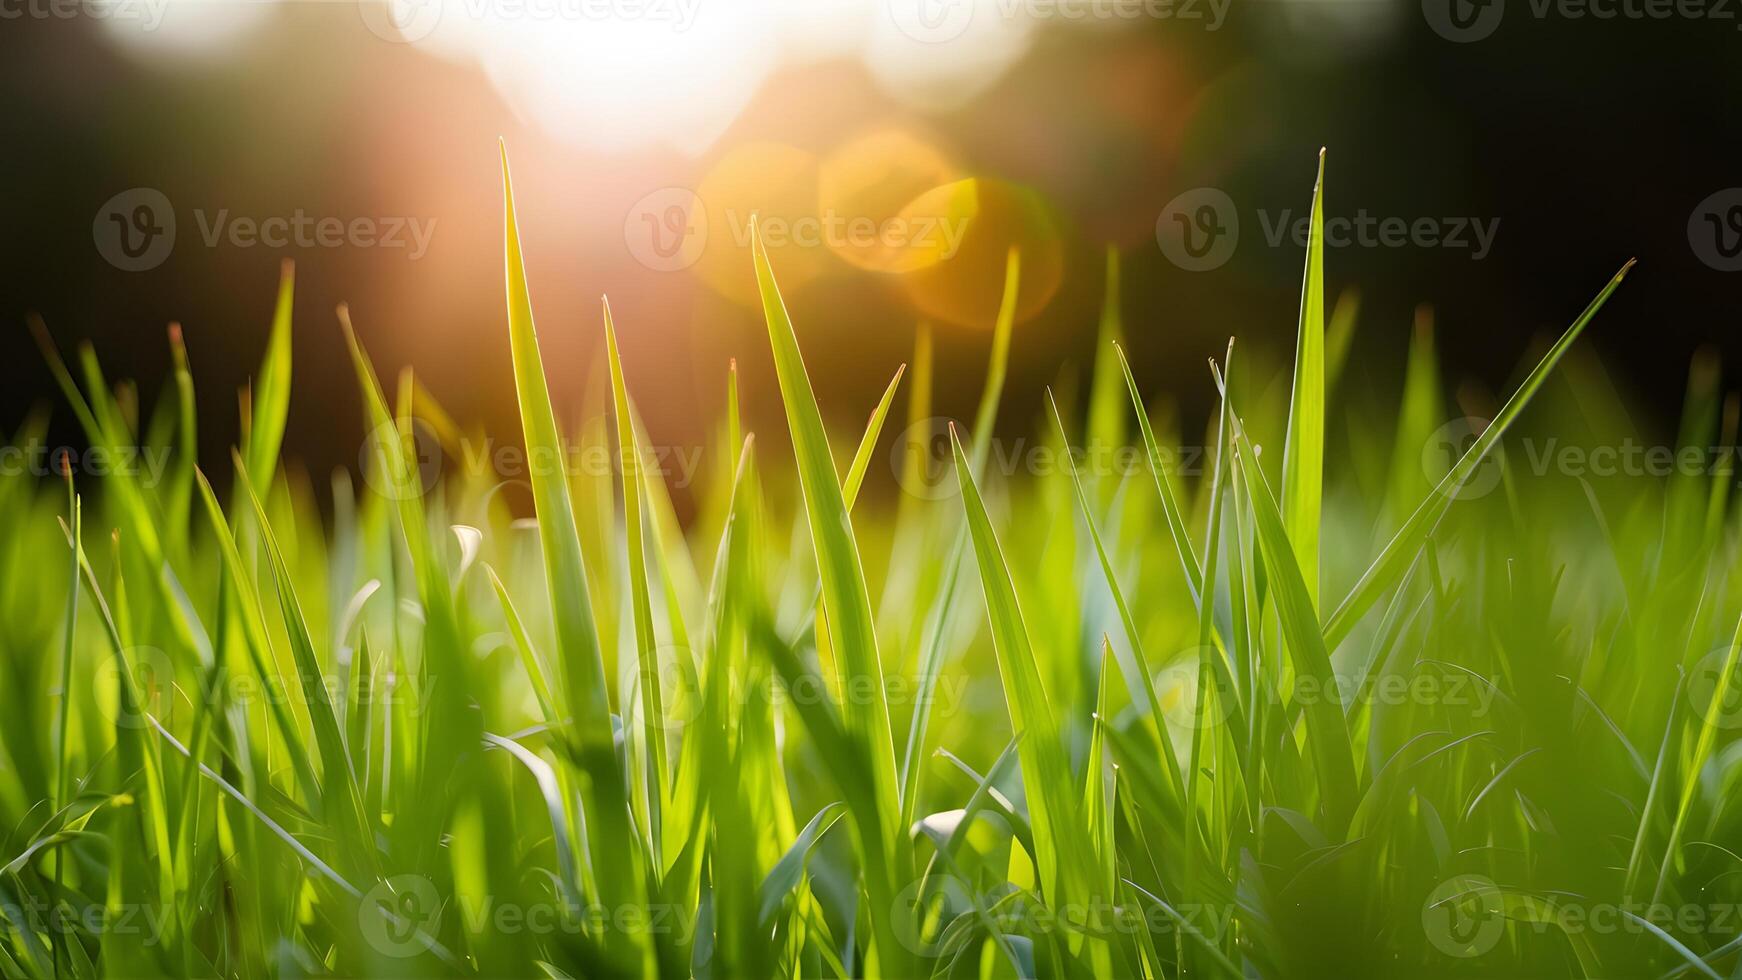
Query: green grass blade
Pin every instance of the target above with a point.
(1327, 730)
(847, 606)
(868, 442)
(1303, 456)
(1711, 722)
(1133, 665)
(271, 391)
(254, 640)
(1388, 569)
(618, 869)
(653, 775)
(342, 797)
(1063, 865)
(1176, 524)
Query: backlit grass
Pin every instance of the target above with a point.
(1333, 700)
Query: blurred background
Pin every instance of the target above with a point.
(1497, 160)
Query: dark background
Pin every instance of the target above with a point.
(1591, 140)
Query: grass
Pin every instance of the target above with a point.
(1316, 712)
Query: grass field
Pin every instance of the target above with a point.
(1455, 704)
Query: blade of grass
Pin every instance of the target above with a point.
(652, 774)
(1303, 455)
(1327, 730)
(1176, 524)
(1388, 569)
(1064, 867)
(618, 871)
(1710, 723)
(847, 605)
(270, 396)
